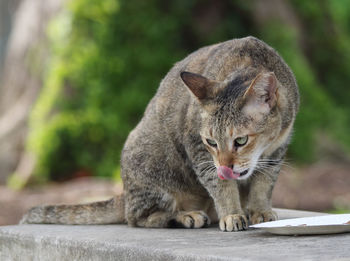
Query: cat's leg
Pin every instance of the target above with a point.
(225, 194)
(155, 188)
(194, 210)
(259, 206)
(227, 202)
(147, 207)
(150, 208)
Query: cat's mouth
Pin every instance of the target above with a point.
(226, 173)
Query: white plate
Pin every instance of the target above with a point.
(329, 224)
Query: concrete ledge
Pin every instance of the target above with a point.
(119, 242)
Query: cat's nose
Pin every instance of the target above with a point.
(226, 159)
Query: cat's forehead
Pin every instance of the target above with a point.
(231, 115)
(229, 123)
(233, 131)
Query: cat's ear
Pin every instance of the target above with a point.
(201, 87)
(261, 96)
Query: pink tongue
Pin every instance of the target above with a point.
(227, 173)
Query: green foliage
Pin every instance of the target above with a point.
(327, 48)
(109, 57)
(105, 69)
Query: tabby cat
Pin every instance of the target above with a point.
(208, 149)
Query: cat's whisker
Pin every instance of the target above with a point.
(206, 165)
(263, 172)
(282, 164)
(205, 162)
(267, 169)
(207, 169)
(274, 161)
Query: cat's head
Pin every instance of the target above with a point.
(240, 119)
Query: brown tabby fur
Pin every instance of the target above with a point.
(220, 92)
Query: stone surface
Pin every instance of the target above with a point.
(119, 242)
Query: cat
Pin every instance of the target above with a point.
(208, 149)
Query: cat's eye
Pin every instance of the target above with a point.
(241, 141)
(212, 142)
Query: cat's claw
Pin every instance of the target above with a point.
(262, 216)
(234, 222)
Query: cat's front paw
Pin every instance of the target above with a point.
(234, 222)
(257, 217)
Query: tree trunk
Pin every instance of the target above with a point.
(21, 79)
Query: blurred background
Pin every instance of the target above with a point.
(76, 75)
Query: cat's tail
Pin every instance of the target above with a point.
(104, 212)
